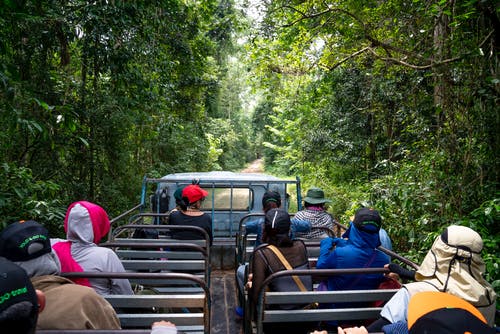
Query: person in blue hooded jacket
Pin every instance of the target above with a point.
(356, 250)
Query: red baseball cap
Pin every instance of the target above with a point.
(194, 193)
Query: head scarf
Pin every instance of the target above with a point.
(454, 265)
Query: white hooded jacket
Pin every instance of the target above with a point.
(85, 224)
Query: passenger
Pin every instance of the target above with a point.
(276, 254)
(19, 302)
(191, 214)
(165, 220)
(435, 312)
(385, 240)
(315, 213)
(270, 200)
(439, 312)
(453, 265)
(68, 305)
(85, 225)
(358, 251)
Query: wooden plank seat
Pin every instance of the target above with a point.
(163, 254)
(153, 255)
(189, 311)
(267, 299)
(164, 231)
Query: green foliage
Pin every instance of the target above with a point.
(388, 104)
(94, 96)
(22, 197)
(485, 221)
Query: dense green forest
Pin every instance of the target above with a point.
(392, 104)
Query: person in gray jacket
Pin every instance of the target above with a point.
(85, 225)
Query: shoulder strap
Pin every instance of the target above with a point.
(287, 265)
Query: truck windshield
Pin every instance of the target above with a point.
(235, 199)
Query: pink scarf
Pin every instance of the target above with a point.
(315, 208)
(68, 264)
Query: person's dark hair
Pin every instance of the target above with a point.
(184, 203)
(19, 318)
(269, 206)
(277, 228)
(278, 240)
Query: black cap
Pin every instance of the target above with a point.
(15, 286)
(24, 240)
(367, 220)
(271, 196)
(278, 220)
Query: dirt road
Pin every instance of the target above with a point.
(256, 166)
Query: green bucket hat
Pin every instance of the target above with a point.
(316, 196)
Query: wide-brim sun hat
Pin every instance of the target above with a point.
(316, 196)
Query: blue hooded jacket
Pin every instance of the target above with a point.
(358, 251)
(257, 226)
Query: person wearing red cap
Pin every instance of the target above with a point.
(191, 214)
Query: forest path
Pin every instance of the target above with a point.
(256, 166)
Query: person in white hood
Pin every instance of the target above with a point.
(85, 225)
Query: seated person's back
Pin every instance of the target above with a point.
(191, 215)
(358, 251)
(85, 224)
(268, 259)
(315, 212)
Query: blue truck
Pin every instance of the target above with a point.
(231, 196)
